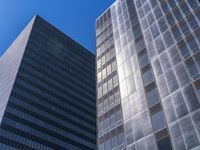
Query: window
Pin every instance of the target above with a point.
(103, 60)
(162, 24)
(177, 14)
(106, 123)
(157, 67)
(154, 30)
(115, 81)
(110, 85)
(147, 75)
(107, 145)
(114, 142)
(174, 55)
(193, 23)
(143, 58)
(100, 128)
(118, 115)
(103, 73)
(193, 4)
(170, 18)
(150, 18)
(192, 68)
(147, 8)
(111, 101)
(158, 121)
(193, 46)
(185, 29)
(105, 88)
(171, 81)
(168, 39)
(99, 92)
(172, 3)
(121, 138)
(164, 144)
(100, 107)
(108, 70)
(99, 77)
(184, 50)
(176, 32)
(152, 95)
(185, 9)
(159, 45)
(112, 120)
(98, 63)
(157, 11)
(153, 3)
(105, 105)
(165, 7)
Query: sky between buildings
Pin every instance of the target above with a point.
(76, 18)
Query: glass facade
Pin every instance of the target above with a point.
(156, 49)
(52, 101)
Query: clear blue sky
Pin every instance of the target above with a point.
(76, 18)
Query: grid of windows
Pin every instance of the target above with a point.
(52, 102)
(157, 53)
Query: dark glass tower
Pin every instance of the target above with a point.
(47, 92)
(156, 44)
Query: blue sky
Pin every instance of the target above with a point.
(76, 18)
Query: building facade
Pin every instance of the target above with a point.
(47, 92)
(156, 46)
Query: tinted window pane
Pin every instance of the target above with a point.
(164, 144)
(158, 121)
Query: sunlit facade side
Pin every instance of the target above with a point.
(157, 49)
(51, 101)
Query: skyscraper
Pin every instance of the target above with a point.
(156, 45)
(47, 92)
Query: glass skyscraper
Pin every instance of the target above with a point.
(47, 92)
(148, 75)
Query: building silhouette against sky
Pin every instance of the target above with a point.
(148, 68)
(47, 92)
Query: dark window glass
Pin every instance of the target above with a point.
(176, 32)
(185, 29)
(147, 8)
(152, 96)
(143, 58)
(164, 144)
(177, 14)
(170, 18)
(198, 15)
(158, 121)
(147, 76)
(192, 68)
(193, 3)
(184, 50)
(165, 6)
(185, 9)
(193, 23)
(172, 3)
(193, 46)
